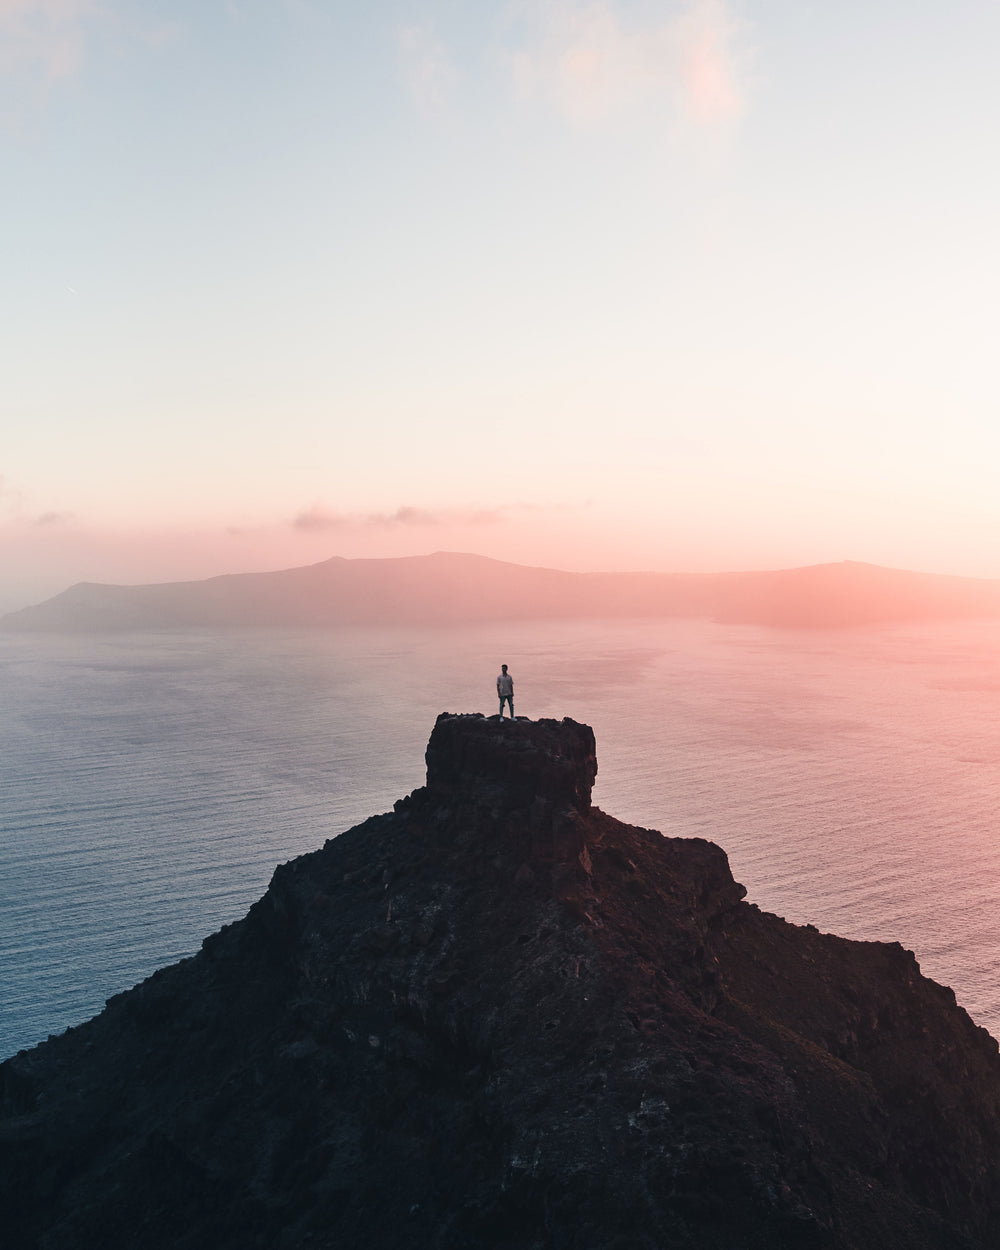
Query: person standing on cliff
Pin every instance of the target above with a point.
(505, 689)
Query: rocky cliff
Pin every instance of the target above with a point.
(497, 1017)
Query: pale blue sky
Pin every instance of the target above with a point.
(602, 285)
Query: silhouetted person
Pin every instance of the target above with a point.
(505, 689)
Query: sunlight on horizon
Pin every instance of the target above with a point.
(596, 285)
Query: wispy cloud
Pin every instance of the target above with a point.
(321, 520)
(44, 38)
(591, 64)
(161, 34)
(428, 70)
(11, 497)
(709, 62)
(16, 508)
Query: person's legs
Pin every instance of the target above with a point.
(501, 707)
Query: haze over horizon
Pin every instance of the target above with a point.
(609, 285)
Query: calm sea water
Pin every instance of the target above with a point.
(150, 783)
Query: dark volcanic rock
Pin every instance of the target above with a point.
(497, 1017)
(512, 764)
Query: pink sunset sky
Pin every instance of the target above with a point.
(678, 286)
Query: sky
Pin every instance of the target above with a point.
(692, 285)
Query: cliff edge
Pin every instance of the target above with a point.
(497, 1017)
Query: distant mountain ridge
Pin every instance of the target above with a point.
(451, 588)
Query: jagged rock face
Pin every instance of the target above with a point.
(497, 1017)
(512, 762)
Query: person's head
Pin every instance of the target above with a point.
(503, 668)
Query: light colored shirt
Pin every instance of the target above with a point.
(505, 685)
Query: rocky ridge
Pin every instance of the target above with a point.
(451, 587)
(497, 1017)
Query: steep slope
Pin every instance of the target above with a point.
(497, 1017)
(449, 587)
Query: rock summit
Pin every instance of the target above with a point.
(498, 1017)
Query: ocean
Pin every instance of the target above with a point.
(149, 783)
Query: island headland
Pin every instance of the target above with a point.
(453, 587)
(498, 1017)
